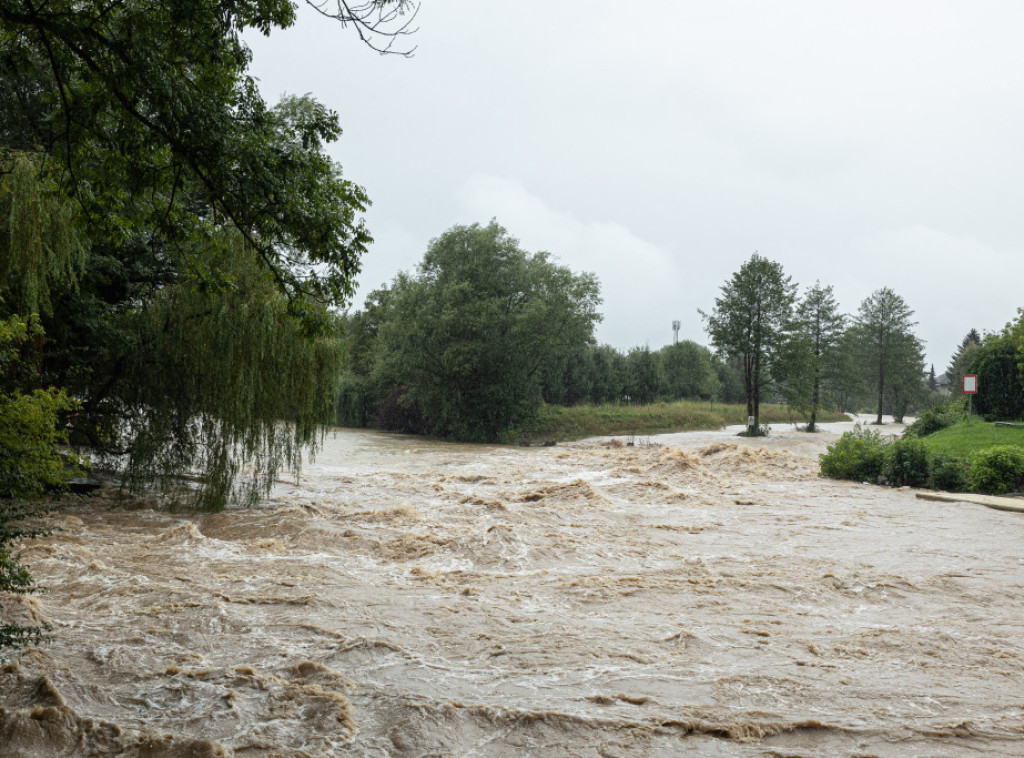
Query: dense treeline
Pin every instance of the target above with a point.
(684, 370)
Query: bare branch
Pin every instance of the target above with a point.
(380, 24)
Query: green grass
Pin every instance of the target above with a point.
(560, 423)
(961, 439)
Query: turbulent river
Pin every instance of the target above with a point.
(695, 594)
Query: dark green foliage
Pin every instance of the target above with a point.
(217, 381)
(948, 473)
(859, 455)
(891, 355)
(997, 362)
(645, 380)
(906, 463)
(31, 433)
(569, 379)
(353, 404)
(748, 324)
(848, 386)
(41, 255)
(730, 382)
(148, 149)
(811, 353)
(689, 371)
(997, 470)
(463, 345)
(609, 379)
(182, 241)
(958, 363)
(938, 417)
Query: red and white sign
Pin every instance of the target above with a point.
(970, 384)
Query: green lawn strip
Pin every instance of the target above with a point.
(960, 440)
(561, 423)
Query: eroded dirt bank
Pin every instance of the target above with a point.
(705, 596)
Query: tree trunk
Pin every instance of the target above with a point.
(815, 400)
(881, 392)
(756, 399)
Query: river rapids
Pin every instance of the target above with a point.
(694, 594)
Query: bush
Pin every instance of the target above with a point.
(997, 470)
(31, 434)
(859, 455)
(949, 474)
(937, 418)
(906, 463)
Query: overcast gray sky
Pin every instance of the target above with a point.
(659, 144)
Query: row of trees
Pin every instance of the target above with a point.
(471, 344)
(684, 370)
(805, 350)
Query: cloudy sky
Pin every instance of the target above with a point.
(660, 143)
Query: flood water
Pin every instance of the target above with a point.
(700, 595)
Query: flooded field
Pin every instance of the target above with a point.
(701, 595)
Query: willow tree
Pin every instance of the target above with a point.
(222, 382)
(41, 253)
(748, 324)
(217, 233)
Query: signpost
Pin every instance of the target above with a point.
(970, 389)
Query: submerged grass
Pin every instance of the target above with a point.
(558, 423)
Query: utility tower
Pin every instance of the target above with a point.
(675, 332)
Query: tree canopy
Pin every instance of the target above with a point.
(812, 350)
(999, 363)
(461, 346)
(749, 322)
(890, 352)
(182, 242)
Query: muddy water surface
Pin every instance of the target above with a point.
(701, 595)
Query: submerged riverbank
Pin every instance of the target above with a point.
(704, 594)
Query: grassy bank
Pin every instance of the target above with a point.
(961, 439)
(560, 423)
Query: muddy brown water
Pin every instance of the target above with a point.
(701, 595)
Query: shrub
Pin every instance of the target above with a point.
(949, 474)
(997, 470)
(858, 455)
(31, 434)
(937, 418)
(906, 463)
